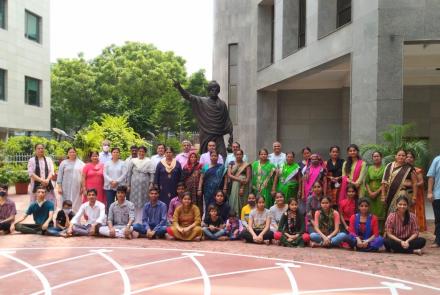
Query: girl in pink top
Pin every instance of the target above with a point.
(93, 177)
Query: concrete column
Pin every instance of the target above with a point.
(267, 123)
(278, 30)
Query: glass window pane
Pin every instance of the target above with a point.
(2, 84)
(32, 26)
(32, 91)
(2, 14)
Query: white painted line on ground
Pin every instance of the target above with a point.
(119, 268)
(206, 282)
(41, 277)
(293, 284)
(110, 272)
(46, 264)
(240, 255)
(394, 286)
(199, 278)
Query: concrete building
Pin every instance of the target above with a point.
(323, 72)
(24, 66)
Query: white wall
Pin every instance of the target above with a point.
(22, 57)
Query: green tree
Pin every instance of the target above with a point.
(74, 101)
(114, 128)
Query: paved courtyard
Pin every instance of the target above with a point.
(41, 265)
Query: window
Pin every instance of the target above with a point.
(2, 84)
(32, 91)
(344, 12)
(272, 30)
(3, 14)
(233, 82)
(33, 25)
(302, 24)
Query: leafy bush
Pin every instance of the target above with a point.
(113, 128)
(18, 173)
(25, 145)
(395, 138)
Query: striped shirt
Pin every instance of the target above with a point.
(394, 225)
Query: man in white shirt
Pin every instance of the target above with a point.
(231, 157)
(105, 155)
(159, 156)
(133, 154)
(95, 211)
(182, 158)
(206, 157)
(277, 157)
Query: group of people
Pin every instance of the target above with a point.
(274, 199)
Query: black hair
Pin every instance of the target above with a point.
(353, 187)
(144, 148)
(232, 213)
(4, 186)
(115, 148)
(329, 199)
(153, 189)
(133, 147)
(349, 162)
(160, 144)
(92, 190)
(412, 153)
(291, 153)
(237, 143)
(37, 144)
(93, 152)
(306, 148)
(121, 188)
(290, 200)
(263, 149)
(212, 207)
(377, 152)
(169, 148)
(364, 200)
(67, 202)
(40, 187)
(221, 192)
(181, 183)
(334, 147)
(70, 148)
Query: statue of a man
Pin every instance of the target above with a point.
(212, 117)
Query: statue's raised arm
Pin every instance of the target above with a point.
(212, 116)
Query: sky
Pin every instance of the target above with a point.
(88, 26)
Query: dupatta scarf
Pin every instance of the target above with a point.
(394, 177)
(344, 183)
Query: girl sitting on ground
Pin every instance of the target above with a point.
(291, 228)
(364, 229)
(213, 225)
(326, 226)
(402, 230)
(347, 207)
(186, 221)
(258, 230)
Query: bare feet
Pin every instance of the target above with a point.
(434, 245)
(418, 252)
(134, 234)
(267, 242)
(168, 237)
(198, 239)
(223, 238)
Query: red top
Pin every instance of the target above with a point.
(347, 208)
(374, 226)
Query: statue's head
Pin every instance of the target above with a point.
(213, 89)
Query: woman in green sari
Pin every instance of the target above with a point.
(239, 175)
(263, 174)
(289, 178)
(373, 188)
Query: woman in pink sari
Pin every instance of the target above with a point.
(314, 171)
(354, 171)
(93, 177)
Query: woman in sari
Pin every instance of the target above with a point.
(334, 174)
(289, 178)
(418, 207)
(263, 173)
(140, 175)
(373, 187)
(69, 179)
(93, 177)
(191, 177)
(211, 180)
(306, 153)
(186, 221)
(313, 172)
(168, 174)
(239, 175)
(393, 181)
(353, 171)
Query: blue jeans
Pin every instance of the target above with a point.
(53, 231)
(160, 231)
(213, 236)
(335, 241)
(110, 195)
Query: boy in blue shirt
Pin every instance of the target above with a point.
(42, 212)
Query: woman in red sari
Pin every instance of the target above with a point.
(191, 177)
(418, 207)
(314, 171)
(93, 177)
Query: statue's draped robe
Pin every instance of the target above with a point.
(213, 121)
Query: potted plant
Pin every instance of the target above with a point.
(20, 177)
(5, 175)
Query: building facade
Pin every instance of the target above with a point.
(24, 66)
(324, 72)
